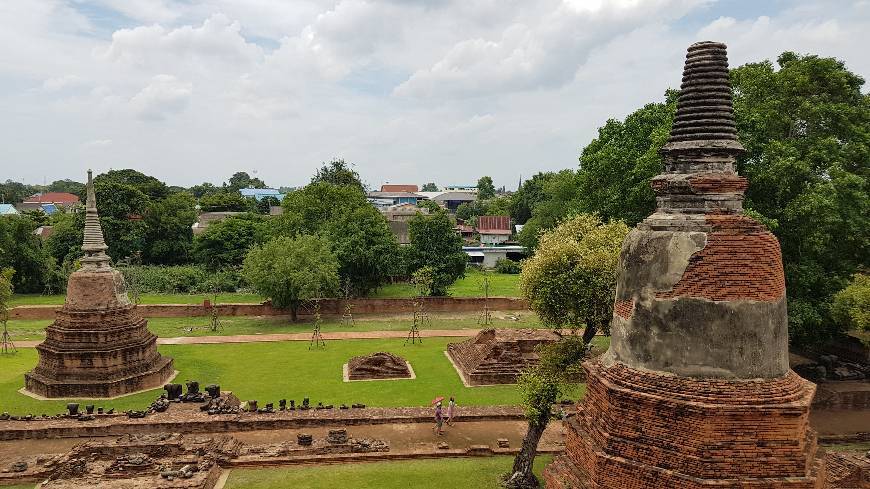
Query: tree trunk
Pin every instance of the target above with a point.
(293, 310)
(522, 477)
(589, 333)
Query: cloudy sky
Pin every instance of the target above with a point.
(408, 90)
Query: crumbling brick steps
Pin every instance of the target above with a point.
(185, 419)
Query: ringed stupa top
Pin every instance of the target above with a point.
(700, 288)
(94, 245)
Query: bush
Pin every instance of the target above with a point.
(183, 279)
(505, 265)
(851, 307)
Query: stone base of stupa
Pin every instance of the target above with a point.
(646, 430)
(156, 376)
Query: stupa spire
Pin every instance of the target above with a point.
(700, 156)
(94, 245)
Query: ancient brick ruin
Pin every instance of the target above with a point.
(695, 390)
(378, 366)
(498, 356)
(97, 346)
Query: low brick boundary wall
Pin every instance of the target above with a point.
(328, 307)
(188, 419)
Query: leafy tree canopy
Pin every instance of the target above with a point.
(435, 244)
(226, 243)
(485, 188)
(310, 209)
(225, 201)
(22, 251)
(563, 193)
(851, 307)
(292, 270)
(363, 244)
(338, 172)
(430, 205)
(571, 279)
(241, 180)
(429, 187)
(121, 208)
(153, 188)
(169, 237)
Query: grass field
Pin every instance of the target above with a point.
(271, 371)
(33, 329)
(501, 285)
(465, 473)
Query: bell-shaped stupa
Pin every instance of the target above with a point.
(695, 390)
(97, 346)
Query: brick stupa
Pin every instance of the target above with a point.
(97, 346)
(695, 390)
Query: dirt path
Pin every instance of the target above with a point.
(254, 338)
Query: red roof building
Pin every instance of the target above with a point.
(494, 230)
(57, 198)
(399, 188)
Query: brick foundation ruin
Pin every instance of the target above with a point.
(498, 356)
(378, 366)
(695, 390)
(97, 346)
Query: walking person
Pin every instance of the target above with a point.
(439, 419)
(451, 411)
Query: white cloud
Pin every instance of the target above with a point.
(164, 96)
(427, 90)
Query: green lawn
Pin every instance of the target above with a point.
(271, 371)
(32, 329)
(500, 285)
(454, 473)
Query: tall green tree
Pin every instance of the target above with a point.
(570, 281)
(310, 209)
(616, 167)
(226, 243)
(563, 199)
(338, 172)
(121, 208)
(169, 236)
(555, 375)
(292, 270)
(22, 251)
(68, 186)
(241, 180)
(153, 188)
(6, 275)
(364, 246)
(530, 193)
(851, 306)
(485, 188)
(225, 201)
(429, 187)
(806, 130)
(434, 243)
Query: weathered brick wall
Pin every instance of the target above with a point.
(639, 429)
(741, 261)
(328, 307)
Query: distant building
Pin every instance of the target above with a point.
(451, 200)
(398, 216)
(396, 197)
(44, 232)
(261, 193)
(465, 230)
(206, 218)
(487, 256)
(8, 210)
(461, 188)
(391, 187)
(49, 202)
(494, 230)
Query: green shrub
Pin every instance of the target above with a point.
(851, 307)
(185, 279)
(505, 265)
